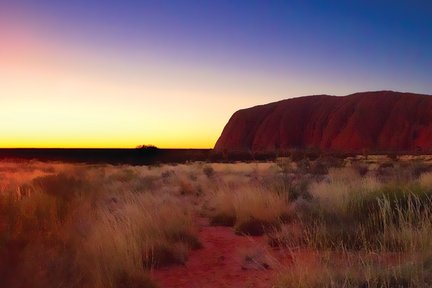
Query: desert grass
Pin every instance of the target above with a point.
(357, 215)
(73, 225)
(365, 215)
(251, 210)
(353, 271)
(144, 231)
(88, 226)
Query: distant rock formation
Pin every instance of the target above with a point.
(372, 121)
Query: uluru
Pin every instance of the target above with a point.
(371, 121)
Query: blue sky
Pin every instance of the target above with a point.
(224, 55)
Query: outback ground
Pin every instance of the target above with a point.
(361, 221)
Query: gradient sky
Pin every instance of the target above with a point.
(89, 73)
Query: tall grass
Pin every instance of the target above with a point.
(251, 210)
(85, 228)
(356, 274)
(391, 217)
(97, 226)
(353, 214)
(140, 231)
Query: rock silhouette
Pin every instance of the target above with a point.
(372, 121)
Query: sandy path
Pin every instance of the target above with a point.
(220, 263)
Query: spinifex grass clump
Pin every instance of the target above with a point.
(356, 273)
(81, 229)
(251, 210)
(362, 214)
(143, 231)
(223, 208)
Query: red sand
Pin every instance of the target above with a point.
(219, 263)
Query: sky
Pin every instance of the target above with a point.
(107, 74)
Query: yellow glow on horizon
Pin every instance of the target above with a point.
(51, 102)
(69, 97)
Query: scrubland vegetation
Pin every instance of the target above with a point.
(353, 222)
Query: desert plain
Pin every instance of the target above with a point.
(361, 221)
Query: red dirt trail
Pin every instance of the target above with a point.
(220, 263)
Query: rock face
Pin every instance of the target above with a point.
(372, 121)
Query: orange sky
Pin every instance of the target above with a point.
(122, 74)
(67, 97)
(55, 94)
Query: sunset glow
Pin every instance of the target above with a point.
(150, 74)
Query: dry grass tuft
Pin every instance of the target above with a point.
(97, 226)
(355, 273)
(85, 227)
(251, 210)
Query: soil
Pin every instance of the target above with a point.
(226, 260)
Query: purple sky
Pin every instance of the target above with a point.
(171, 73)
